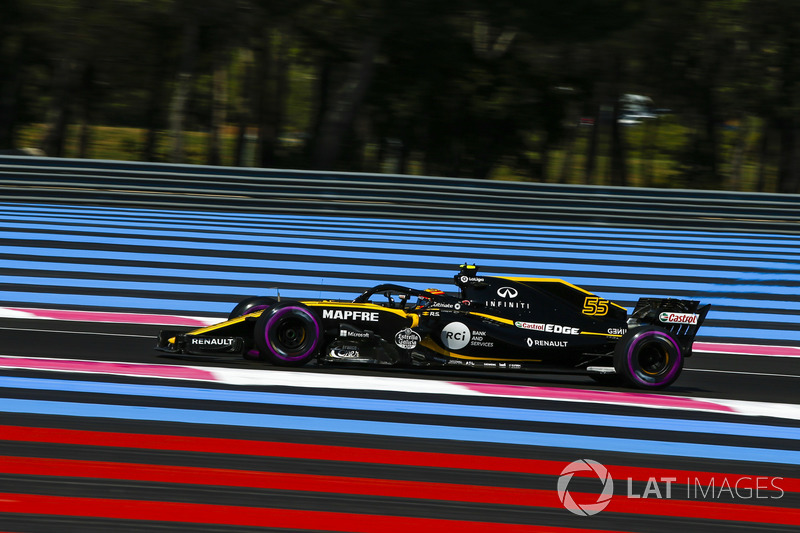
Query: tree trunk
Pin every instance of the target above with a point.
(338, 120)
(154, 108)
(648, 152)
(737, 158)
(265, 100)
(619, 167)
(569, 154)
(281, 86)
(183, 86)
(320, 104)
(10, 83)
(544, 156)
(763, 156)
(244, 107)
(591, 147)
(272, 88)
(787, 125)
(219, 104)
(58, 113)
(712, 137)
(788, 168)
(87, 102)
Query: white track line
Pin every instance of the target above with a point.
(349, 382)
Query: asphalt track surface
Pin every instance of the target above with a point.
(102, 445)
(739, 377)
(203, 263)
(100, 452)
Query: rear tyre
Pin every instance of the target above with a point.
(648, 358)
(288, 334)
(251, 305)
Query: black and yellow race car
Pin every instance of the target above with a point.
(493, 322)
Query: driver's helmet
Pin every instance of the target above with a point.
(424, 301)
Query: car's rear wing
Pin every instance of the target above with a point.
(682, 318)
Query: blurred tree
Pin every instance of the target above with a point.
(710, 53)
(158, 30)
(463, 88)
(271, 81)
(14, 26)
(68, 45)
(474, 84)
(200, 34)
(778, 28)
(263, 34)
(345, 50)
(188, 14)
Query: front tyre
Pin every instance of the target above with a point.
(648, 358)
(288, 334)
(251, 305)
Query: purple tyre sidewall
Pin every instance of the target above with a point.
(632, 352)
(275, 318)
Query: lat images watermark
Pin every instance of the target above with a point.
(720, 487)
(591, 508)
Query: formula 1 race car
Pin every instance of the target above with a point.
(507, 323)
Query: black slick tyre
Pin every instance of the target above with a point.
(288, 334)
(648, 357)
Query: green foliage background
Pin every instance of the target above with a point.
(505, 89)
